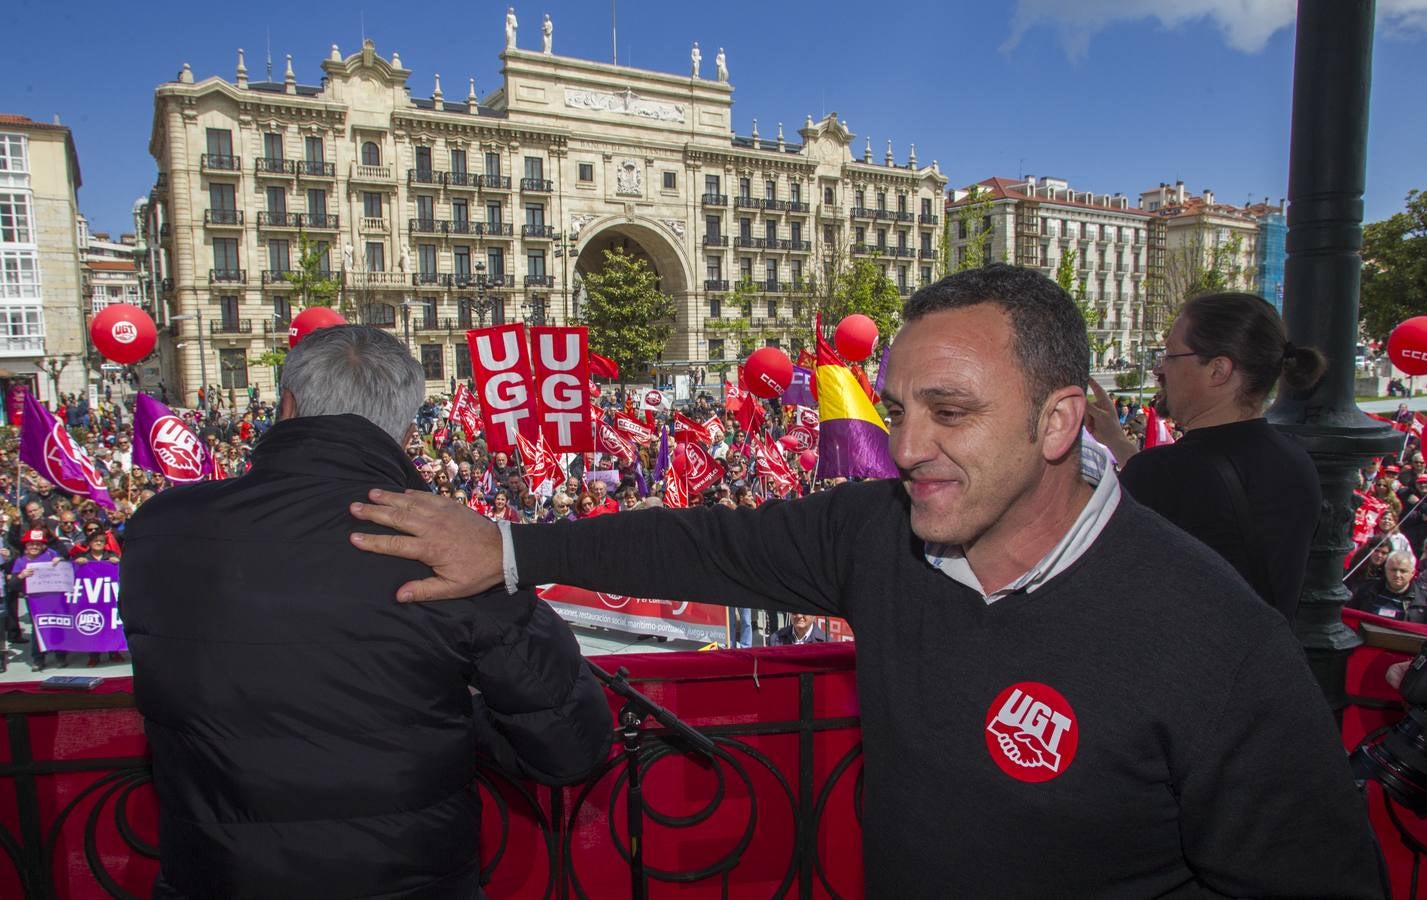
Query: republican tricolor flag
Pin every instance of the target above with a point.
(852, 439)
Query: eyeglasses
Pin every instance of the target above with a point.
(1158, 357)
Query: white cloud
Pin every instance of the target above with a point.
(1246, 24)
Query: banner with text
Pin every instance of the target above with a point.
(562, 371)
(500, 362)
(83, 618)
(702, 622)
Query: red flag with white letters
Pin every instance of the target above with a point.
(699, 470)
(562, 374)
(684, 428)
(634, 429)
(542, 466)
(505, 386)
(464, 410)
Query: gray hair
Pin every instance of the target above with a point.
(1406, 556)
(356, 369)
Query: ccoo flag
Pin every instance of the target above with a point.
(47, 448)
(853, 441)
(162, 443)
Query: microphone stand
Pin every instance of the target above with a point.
(637, 707)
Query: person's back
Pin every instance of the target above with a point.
(310, 737)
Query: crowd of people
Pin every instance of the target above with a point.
(1385, 572)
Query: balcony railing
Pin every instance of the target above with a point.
(426, 226)
(376, 279)
(227, 276)
(830, 211)
(863, 212)
(428, 278)
(715, 200)
(903, 253)
(928, 219)
(279, 219)
(546, 281)
(497, 229)
(495, 182)
(867, 249)
(715, 240)
(370, 223)
(462, 226)
(747, 203)
(273, 165)
(800, 246)
(231, 326)
(425, 176)
(276, 276)
(546, 232)
(749, 241)
(325, 221)
(715, 284)
(371, 173)
(316, 168)
(797, 206)
(926, 253)
(463, 180)
(467, 280)
(537, 185)
(904, 216)
(771, 204)
(222, 217)
(495, 282)
(218, 162)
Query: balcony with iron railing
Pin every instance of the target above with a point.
(316, 168)
(536, 185)
(869, 250)
(798, 246)
(542, 232)
(715, 284)
(467, 280)
(928, 219)
(227, 276)
(462, 227)
(830, 211)
(223, 217)
(498, 281)
(797, 206)
(321, 221)
(715, 240)
(420, 279)
(267, 219)
(771, 204)
(276, 326)
(902, 216)
(745, 202)
(496, 229)
(495, 182)
(750, 242)
(902, 253)
(425, 176)
(231, 326)
(545, 281)
(277, 277)
(715, 200)
(863, 212)
(219, 162)
(926, 253)
(467, 180)
(273, 165)
(426, 226)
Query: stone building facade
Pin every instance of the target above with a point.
(42, 341)
(439, 213)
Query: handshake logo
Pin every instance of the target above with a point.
(1031, 732)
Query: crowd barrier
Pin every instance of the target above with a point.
(774, 815)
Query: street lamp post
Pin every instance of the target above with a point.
(564, 247)
(197, 315)
(406, 319)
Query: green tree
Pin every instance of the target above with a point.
(862, 287)
(1395, 269)
(630, 321)
(1094, 319)
(971, 217)
(312, 283)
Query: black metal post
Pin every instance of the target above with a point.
(630, 720)
(1326, 171)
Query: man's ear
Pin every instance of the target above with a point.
(1221, 369)
(1061, 419)
(287, 408)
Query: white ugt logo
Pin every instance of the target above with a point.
(1029, 732)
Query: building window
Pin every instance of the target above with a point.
(770, 189)
(272, 145)
(423, 163)
(316, 202)
(714, 268)
(882, 238)
(461, 261)
(715, 348)
(797, 267)
(495, 262)
(371, 204)
(220, 142)
(15, 219)
(535, 264)
(773, 309)
(745, 187)
(313, 150)
(901, 203)
(376, 256)
(371, 154)
(795, 232)
(745, 228)
(19, 275)
(279, 259)
(587, 172)
(228, 312)
(535, 167)
(458, 161)
(12, 153)
(926, 274)
(745, 268)
(795, 192)
(711, 184)
(713, 227)
(902, 278)
(428, 313)
(670, 181)
(859, 199)
(859, 235)
(493, 214)
(716, 307)
(233, 364)
(882, 200)
(461, 214)
(926, 242)
(426, 259)
(535, 215)
(463, 361)
(282, 310)
(277, 202)
(926, 206)
(775, 343)
(498, 311)
(222, 197)
(324, 258)
(770, 268)
(492, 165)
(828, 234)
(828, 196)
(426, 209)
(770, 231)
(225, 254)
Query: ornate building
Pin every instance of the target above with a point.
(438, 214)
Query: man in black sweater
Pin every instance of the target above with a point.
(311, 738)
(1037, 719)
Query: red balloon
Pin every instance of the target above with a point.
(679, 460)
(768, 372)
(309, 320)
(1407, 346)
(855, 337)
(123, 333)
(808, 459)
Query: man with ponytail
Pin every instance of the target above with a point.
(1234, 482)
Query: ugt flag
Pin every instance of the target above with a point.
(47, 448)
(162, 443)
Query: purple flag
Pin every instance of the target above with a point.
(47, 447)
(641, 483)
(162, 443)
(800, 392)
(661, 462)
(84, 618)
(882, 369)
(610, 477)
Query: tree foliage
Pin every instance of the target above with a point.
(1200, 266)
(311, 285)
(1065, 276)
(862, 287)
(629, 320)
(971, 219)
(1395, 269)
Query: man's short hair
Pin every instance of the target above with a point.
(356, 369)
(1048, 332)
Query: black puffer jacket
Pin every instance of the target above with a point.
(311, 737)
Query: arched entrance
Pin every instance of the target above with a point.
(656, 245)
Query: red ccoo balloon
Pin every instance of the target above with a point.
(123, 333)
(1407, 346)
(855, 337)
(311, 319)
(768, 372)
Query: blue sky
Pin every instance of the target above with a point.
(1113, 95)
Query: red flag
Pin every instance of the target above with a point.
(603, 366)
(733, 395)
(478, 503)
(1156, 433)
(1414, 428)
(699, 470)
(463, 410)
(805, 359)
(771, 464)
(611, 440)
(749, 412)
(633, 428)
(676, 495)
(685, 428)
(542, 466)
(1366, 516)
(714, 426)
(562, 367)
(501, 364)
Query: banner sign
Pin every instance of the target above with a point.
(703, 622)
(633, 429)
(86, 618)
(562, 372)
(504, 383)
